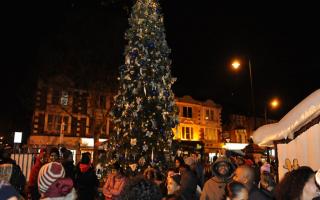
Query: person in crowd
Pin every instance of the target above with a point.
(142, 189)
(8, 192)
(236, 191)
(86, 180)
(246, 175)
(115, 183)
(173, 183)
(188, 186)
(10, 172)
(267, 184)
(171, 172)
(297, 184)
(154, 175)
(32, 186)
(178, 162)
(67, 163)
(53, 185)
(196, 168)
(54, 155)
(214, 188)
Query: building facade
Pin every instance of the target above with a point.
(239, 128)
(199, 123)
(71, 117)
(67, 116)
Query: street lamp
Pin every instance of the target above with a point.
(236, 65)
(273, 104)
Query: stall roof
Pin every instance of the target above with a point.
(300, 115)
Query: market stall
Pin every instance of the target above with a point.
(296, 136)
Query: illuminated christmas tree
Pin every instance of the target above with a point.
(144, 110)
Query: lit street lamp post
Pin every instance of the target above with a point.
(274, 103)
(236, 65)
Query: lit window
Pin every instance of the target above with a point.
(187, 133)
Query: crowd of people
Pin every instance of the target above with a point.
(55, 177)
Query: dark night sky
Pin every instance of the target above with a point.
(282, 42)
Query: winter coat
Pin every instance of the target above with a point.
(256, 193)
(214, 188)
(86, 182)
(113, 186)
(188, 185)
(32, 187)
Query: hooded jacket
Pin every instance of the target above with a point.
(86, 182)
(214, 188)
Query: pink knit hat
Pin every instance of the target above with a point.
(265, 168)
(48, 174)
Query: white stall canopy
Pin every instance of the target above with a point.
(299, 116)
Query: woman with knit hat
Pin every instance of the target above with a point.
(52, 184)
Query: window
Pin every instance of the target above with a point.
(211, 134)
(102, 102)
(209, 115)
(64, 98)
(187, 133)
(55, 97)
(55, 123)
(187, 112)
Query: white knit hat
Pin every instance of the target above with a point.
(48, 174)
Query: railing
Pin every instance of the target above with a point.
(25, 161)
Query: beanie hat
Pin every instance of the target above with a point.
(265, 168)
(317, 178)
(48, 174)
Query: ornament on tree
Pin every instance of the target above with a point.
(133, 167)
(149, 133)
(145, 147)
(127, 62)
(133, 142)
(142, 161)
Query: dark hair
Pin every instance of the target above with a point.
(233, 189)
(66, 153)
(116, 166)
(85, 159)
(176, 178)
(140, 188)
(55, 150)
(292, 184)
(180, 159)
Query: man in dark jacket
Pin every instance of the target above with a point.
(86, 181)
(214, 188)
(246, 175)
